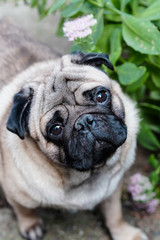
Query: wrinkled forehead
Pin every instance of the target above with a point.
(69, 80)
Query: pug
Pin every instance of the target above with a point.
(68, 134)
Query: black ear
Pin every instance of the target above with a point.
(18, 118)
(94, 59)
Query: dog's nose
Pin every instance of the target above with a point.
(84, 122)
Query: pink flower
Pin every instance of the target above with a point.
(143, 198)
(151, 206)
(135, 189)
(79, 27)
(142, 194)
(136, 178)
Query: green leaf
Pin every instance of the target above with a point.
(155, 128)
(152, 12)
(72, 9)
(115, 45)
(155, 95)
(98, 3)
(141, 35)
(151, 2)
(111, 16)
(41, 8)
(136, 57)
(33, 3)
(59, 31)
(116, 3)
(155, 60)
(153, 161)
(134, 6)
(138, 95)
(156, 78)
(129, 73)
(136, 85)
(112, 5)
(103, 42)
(157, 23)
(151, 106)
(150, 84)
(99, 26)
(123, 4)
(76, 47)
(157, 190)
(57, 4)
(140, 10)
(88, 8)
(154, 178)
(147, 139)
(151, 119)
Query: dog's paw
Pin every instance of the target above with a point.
(128, 232)
(36, 232)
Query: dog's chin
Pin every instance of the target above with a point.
(85, 162)
(103, 151)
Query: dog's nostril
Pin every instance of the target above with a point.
(89, 119)
(84, 123)
(79, 126)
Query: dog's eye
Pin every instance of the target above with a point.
(56, 129)
(102, 96)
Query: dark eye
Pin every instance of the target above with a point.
(56, 129)
(102, 96)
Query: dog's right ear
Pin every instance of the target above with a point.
(18, 117)
(93, 59)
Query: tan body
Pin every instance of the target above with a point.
(28, 177)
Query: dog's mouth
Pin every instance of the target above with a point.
(102, 151)
(93, 140)
(89, 152)
(89, 155)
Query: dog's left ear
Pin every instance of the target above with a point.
(93, 59)
(18, 118)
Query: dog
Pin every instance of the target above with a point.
(68, 133)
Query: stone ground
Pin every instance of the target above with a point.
(86, 225)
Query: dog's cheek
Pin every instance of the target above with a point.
(51, 151)
(117, 107)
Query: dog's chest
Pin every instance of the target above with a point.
(93, 189)
(82, 191)
(49, 186)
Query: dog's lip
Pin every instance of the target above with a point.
(101, 143)
(99, 165)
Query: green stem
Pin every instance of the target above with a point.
(97, 4)
(112, 8)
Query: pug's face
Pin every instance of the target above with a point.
(74, 114)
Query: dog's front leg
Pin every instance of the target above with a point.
(119, 229)
(30, 226)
